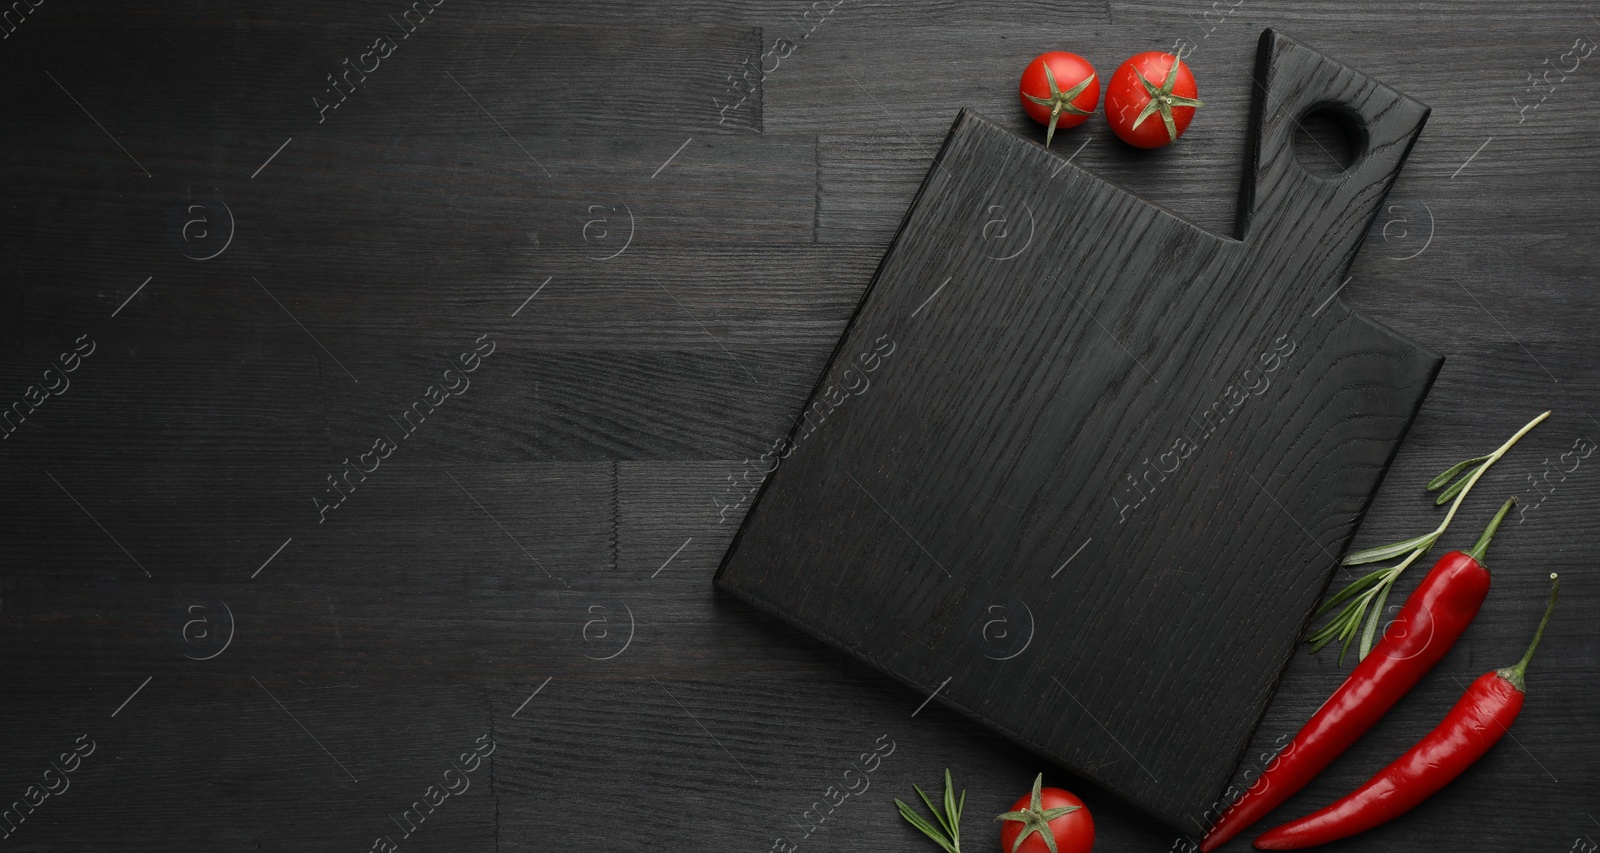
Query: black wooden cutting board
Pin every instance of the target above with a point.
(1079, 468)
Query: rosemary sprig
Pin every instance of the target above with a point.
(947, 834)
(1360, 596)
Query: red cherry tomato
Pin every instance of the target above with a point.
(1049, 810)
(1151, 100)
(1059, 89)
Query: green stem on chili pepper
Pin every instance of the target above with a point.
(1361, 594)
(1517, 674)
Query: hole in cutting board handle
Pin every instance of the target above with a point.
(1329, 139)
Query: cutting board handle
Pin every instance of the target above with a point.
(1293, 81)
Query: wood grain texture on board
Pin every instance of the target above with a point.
(1079, 468)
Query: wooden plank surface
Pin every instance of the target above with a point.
(414, 220)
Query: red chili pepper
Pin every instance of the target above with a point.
(1434, 615)
(1477, 722)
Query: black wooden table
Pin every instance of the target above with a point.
(384, 381)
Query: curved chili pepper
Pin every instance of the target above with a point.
(1434, 615)
(1477, 722)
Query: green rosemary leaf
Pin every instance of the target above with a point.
(1374, 617)
(1334, 630)
(1317, 643)
(1352, 625)
(1343, 626)
(1354, 587)
(933, 808)
(924, 827)
(1331, 629)
(1350, 619)
(911, 816)
(952, 815)
(1450, 493)
(1385, 552)
(1455, 469)
(1346, 647)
